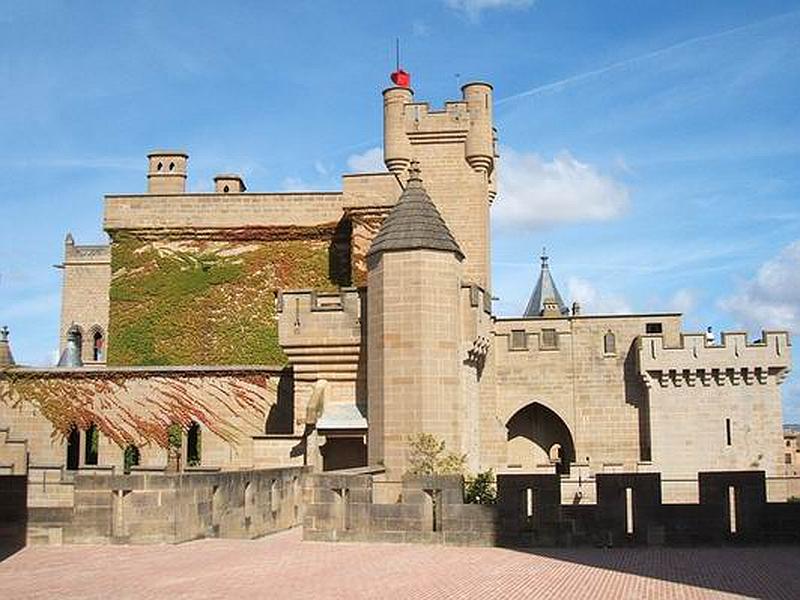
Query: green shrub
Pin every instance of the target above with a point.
(481, 488)
(130, 457)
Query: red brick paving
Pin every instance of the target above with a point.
(281, 566)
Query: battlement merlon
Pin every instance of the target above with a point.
(735, 358)
(469, 121)
(97, 254)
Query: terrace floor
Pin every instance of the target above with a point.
(282, 566)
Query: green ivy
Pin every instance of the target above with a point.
(205, 302)
(174, 436)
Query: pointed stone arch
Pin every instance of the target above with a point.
(536, 436)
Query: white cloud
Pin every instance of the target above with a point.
(367, 162)
(535, 193)
(295, 184)
(771, 299)
(683, 301)
(595, 301)
(321, 168)
(473, 8)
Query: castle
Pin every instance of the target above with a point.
(237, 330)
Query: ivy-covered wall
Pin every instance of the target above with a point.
(209, 301)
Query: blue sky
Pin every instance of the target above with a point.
(653, 147)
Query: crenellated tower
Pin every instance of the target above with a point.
(456, 149)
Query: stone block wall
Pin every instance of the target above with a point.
(529, 512)
(597, 395)
(145, 508)
(431, 510)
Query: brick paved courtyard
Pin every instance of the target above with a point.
(281, 566)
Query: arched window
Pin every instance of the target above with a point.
(98, 345)
(73, 449)
(193, 445)
(92, 445)
(609, 343)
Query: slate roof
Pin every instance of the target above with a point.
(414, 223)
(341, 416)
(545, 289)
(71, 356)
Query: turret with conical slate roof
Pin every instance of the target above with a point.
(545, 293)
(414, 272)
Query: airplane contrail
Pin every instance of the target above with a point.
(555, 85)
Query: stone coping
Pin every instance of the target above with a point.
(598, 316)
(132, 371)
(223, 195)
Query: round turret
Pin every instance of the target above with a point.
(396, 146)
(480, 139)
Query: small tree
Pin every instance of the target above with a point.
(428, 455)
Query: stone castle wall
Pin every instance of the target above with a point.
(598, 395)
(732, 508)
(715, 406)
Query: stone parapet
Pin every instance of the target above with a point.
(173, 508)
(151, 211)
(696, 362)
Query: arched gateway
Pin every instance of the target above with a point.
(538, 436)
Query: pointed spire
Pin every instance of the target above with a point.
(414, 223)
(545, 293)
(6, 357)
(71, 356)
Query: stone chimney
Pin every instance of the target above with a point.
(229, 183)
(166, 172)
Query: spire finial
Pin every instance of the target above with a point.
(544, 257)
(414, 175)
(4, 333)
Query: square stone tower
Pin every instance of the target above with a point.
(456, 150)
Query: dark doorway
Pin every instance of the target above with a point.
(343, 453)
(193, 445)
